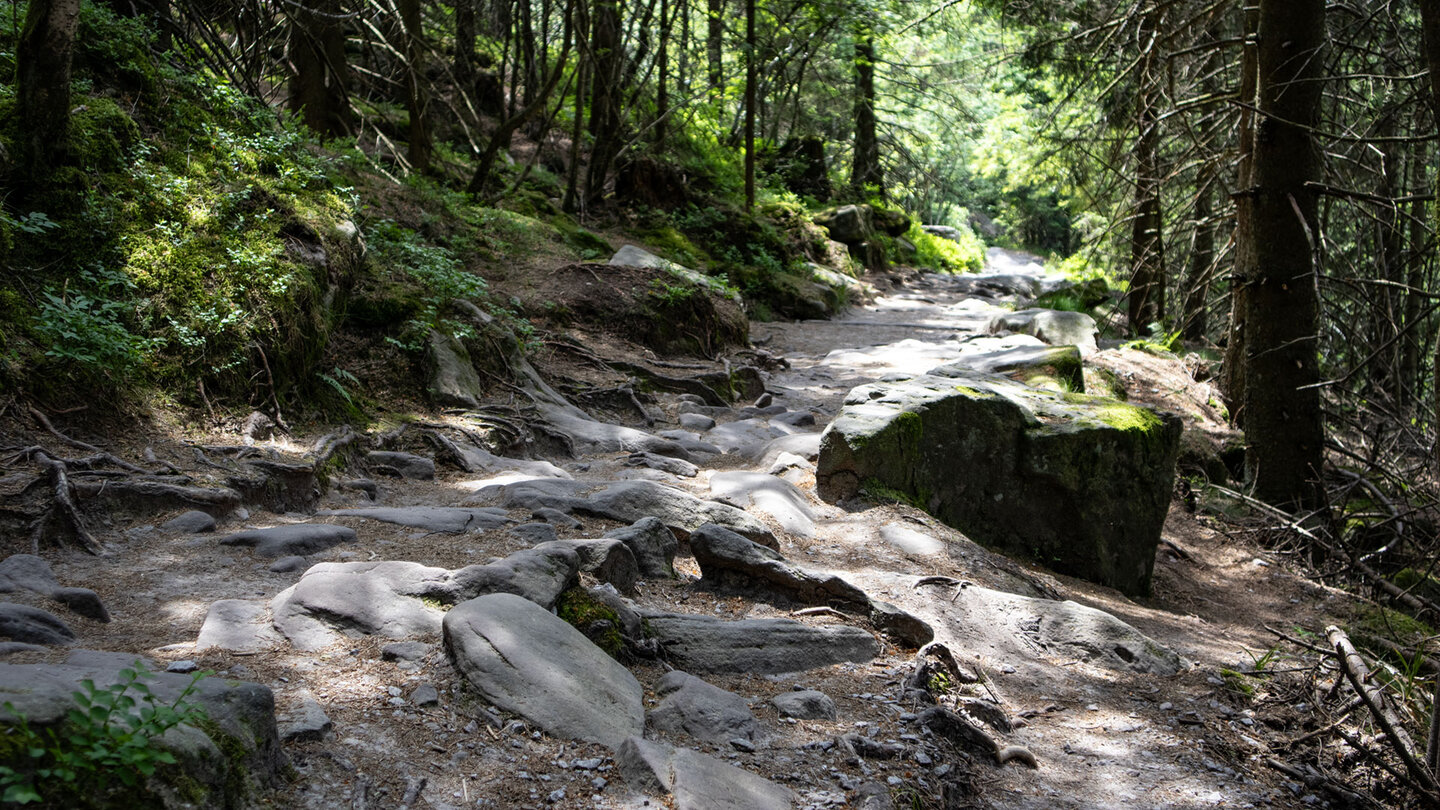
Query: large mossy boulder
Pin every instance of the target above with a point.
(1075, 482)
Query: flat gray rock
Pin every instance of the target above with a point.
(26, 572)
(690, 705)
(627, 501)
(403, 599)
(674, 466)
(288, 565)
(405, 651)
(697, 422)
(697, 781)
(293, 539)
(806, 704)
(1058, 328)
(556, 518)
(449, 519)
(731, 562)
(746, 437)
(238, 625)
(768, 495)
(525, 660)
(192, 522)
(759, 646)
(1014, 627)
(309, 724)
(653, 545)
(403, 465)
(30, 625)
(535, 533)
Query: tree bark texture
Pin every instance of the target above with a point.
(1282, 419)
(42, 82)
(417, 95)
(865, 174)
(1233, 378)
(1146, 301)
(750, 105)
(319, 85)
(464, 42)
(1202, 257)
(608, 62)
(714, 45)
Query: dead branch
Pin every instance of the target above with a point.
(1310, 778)
(1358, 674)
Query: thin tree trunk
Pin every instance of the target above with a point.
(662, 81)
(571, 202)
(464, 43)
(714, 45)
(605, 94)
(1147, 253)
(865, 174)
(417, 97)
(749, 105)
(1283, 425)
(1233, 379)
(1202, 258)
(42, 82)
(319, 85)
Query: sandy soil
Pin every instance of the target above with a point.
(1102, 738)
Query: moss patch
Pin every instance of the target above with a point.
(599, 622)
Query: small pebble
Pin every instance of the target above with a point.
(182, 667)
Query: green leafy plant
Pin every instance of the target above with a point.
(105, 748)
(85, 325)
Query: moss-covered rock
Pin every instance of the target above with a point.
(1076, 482)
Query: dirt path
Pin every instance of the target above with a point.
(1102, 737)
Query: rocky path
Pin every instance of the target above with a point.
(780, 664)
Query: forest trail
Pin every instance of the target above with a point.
(1103, 736)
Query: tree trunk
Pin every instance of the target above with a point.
(42, 83)
(749, 105)
(1233, 378)
(1282, 419)
(605, 94)
(662, 80)
(1430, 27)
(572, 199)
(1202, 257)
(417, 97)
(464, 43)
(714, 45)
(319, 85)
(1147, 253)
(865, 174)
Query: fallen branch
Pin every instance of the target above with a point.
(1319, 782)
(1358, 674)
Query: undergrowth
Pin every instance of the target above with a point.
(104, 751)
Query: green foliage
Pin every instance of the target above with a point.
(85, 327)
(433, 275)
(938, 253)
(103, 752)
(1162, 346)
